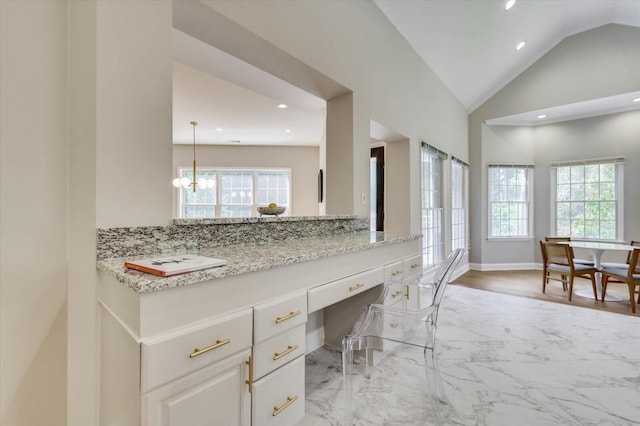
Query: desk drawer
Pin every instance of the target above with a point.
(330, 293)
(278, 316)
(277, 351)
(412, 266)
(171, 356)
(278, 399)
(393, 272)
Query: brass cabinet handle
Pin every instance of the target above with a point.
(290, 400)
(393, 274)
(286, 317)
(415, 265)
(196, 352)
(397, 293)
(250, 380)
(355, 287)
(290, 349)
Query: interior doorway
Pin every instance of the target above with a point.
(377, 189)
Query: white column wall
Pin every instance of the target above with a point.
(33, 213)
(134, 131)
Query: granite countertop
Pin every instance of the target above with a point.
(244, 258)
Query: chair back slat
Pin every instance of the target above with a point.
(443, 274)
(635, 244)
(559, 254)
(634, 264)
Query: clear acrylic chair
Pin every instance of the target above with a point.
(382, 327)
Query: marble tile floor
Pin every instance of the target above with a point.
(505, 360)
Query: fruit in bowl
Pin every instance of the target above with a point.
(272, 210)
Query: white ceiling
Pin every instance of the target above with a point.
(469, 44)
(220, 91)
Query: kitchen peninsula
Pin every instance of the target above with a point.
(229, 342)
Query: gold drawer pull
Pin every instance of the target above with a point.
(415, 265)
(355, 287)
(216, 345)
(397, 293)
(290, 400)
(393, 274)
(249, 381)
(290, 349)
(291, 315)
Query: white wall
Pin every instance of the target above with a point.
(33, 213)
(100, 114)
(601, 62)
(397, 180)
(354, 44)
(302, 160)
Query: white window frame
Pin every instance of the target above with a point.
(432, 236)
(464, 198)
(219, 170)
(529, 202)
(619, 194)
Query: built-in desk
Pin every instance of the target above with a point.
(229, 342)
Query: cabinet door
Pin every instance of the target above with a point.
(215, 395)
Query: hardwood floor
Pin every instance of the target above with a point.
(529, 284)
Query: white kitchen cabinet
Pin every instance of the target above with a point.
(215, 395)
(183, 356)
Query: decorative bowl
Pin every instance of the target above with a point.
(272, 211)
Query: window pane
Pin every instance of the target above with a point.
(510, 186)
(236, 193)
(433, 241)
(590, 203)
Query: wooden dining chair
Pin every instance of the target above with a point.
(629, 275)
(558, 265)
(567, 239)
(612, 265)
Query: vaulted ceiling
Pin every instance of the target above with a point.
(469, 44)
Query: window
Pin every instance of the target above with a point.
(587, 197)
(510, 201)
(235, 192)
(459, 202)
(432, 212)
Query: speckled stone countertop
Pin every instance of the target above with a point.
(245, 258)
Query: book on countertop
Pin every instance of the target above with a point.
(166, 266)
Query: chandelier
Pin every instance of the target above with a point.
(184, 181)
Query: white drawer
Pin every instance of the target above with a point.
(393, 272)
(278, 399)
(412, 266)
(277, 351)
(171, 356)
(280, 315)
(330, 293)
(397, 293)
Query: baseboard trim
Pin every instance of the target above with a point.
(504, 266)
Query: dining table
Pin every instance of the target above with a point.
(597, 250)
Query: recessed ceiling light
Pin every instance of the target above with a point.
(287, 130)
(508, 5)
(218, 129)
(282, 106)
(542, 116)
(521, 45)
(636, 100)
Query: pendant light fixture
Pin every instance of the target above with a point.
(184, 181)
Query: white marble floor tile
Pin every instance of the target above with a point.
(505, 360)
